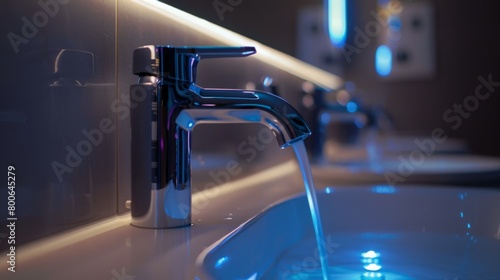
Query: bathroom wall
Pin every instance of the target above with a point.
(64, 107)
(57, 130)
(466, 49)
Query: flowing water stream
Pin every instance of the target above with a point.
(305, 168)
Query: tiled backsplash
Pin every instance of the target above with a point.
(58, 81)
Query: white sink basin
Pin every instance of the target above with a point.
(406, 233)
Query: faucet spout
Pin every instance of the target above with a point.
(174, 105)
(244, 106)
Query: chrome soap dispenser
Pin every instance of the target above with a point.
(167, 106)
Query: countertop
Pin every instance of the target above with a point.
(113, 249)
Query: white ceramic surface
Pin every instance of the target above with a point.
(418, 232)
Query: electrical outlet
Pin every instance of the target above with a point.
(409, 34)
(313, 43)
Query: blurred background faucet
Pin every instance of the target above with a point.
(166, 105)
(346, 127)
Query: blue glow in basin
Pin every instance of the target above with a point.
(376, 232)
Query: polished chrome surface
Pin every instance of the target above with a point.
(338, 117)
(170, 106)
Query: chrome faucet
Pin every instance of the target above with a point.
(167, 106)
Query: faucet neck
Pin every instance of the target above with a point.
(161, 150)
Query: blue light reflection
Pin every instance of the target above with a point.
(395, 23)
(462, 196)
(268, 81)
(351, 107)
(372, 275)
(384, 189)
(370, 255)
(371, 264)
(383, 60)
(221, 261)
(253, 276)
(325, 118)
(372, 267)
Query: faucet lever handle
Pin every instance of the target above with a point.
(179, 63)
(187, 59)
(216, 52)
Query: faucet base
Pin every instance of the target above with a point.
(168, 208)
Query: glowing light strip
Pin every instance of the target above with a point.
(264, 54)
(59, 241)
(337, 21)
